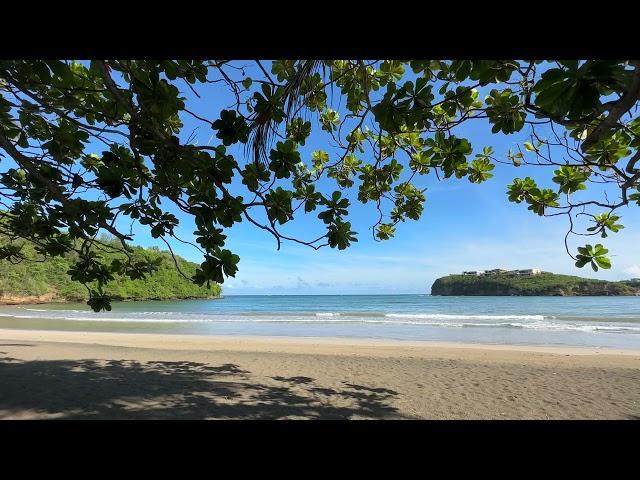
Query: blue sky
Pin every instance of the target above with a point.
(464, 226)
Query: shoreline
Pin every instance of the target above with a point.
(261, 343)
(86, 375)
(47, 299)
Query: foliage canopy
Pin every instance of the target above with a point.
(388, 122)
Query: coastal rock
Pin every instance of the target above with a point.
(50, 297)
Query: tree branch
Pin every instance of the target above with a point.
(616, 111)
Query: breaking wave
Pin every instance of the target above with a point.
(530, 322)
(443, 316)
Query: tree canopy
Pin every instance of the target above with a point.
(86, 144)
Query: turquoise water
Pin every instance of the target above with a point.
(585, 321)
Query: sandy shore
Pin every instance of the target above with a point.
(78, 375)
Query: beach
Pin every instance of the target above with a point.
(98, 375)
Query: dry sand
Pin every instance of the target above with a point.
(78, 375)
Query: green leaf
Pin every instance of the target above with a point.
(231, 128)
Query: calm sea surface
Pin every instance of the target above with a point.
(587, 321)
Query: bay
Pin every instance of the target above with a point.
(578, 321)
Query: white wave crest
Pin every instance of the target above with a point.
(51, 311)
(446, 316)
(529, 322)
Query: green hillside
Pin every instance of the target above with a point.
(549, 284)
(50, 278)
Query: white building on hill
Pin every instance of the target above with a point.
(527, 271)
(495, 271)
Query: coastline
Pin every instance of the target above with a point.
(50, 298)
(319, 345)
(50, 374)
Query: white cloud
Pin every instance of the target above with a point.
(633, 271)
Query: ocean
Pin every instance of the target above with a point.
(577, 321)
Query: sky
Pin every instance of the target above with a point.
(464, 226)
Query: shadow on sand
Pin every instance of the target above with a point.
(125, 389)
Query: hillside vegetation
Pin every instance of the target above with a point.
(549, 284)
(33, 280)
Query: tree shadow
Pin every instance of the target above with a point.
(384, 391)
(294, 380)
(127, 389)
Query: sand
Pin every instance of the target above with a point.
(78, 375)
